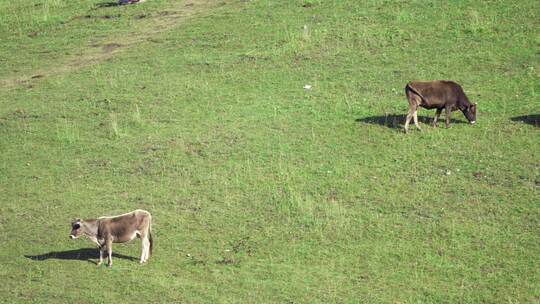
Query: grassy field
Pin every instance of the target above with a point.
(263, 191)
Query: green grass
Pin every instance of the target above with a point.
(262, 191)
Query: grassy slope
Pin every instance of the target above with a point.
(262, 191)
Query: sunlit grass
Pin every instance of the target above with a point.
(263, 190)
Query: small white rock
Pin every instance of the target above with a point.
(307, 87)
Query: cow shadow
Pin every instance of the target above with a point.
(533, 119)
(84, 254)
(396, 121)
(107, 4)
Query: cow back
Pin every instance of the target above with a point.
(438, 93)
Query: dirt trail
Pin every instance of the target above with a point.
(108, 47)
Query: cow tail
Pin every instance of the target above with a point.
(410, 88)
(151, 240)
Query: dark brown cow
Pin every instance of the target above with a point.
(116, 229)
(438, 94)
(129, 1)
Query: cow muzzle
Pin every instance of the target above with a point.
(71, 236)
(472, 122)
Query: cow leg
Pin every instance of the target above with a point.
(414, 102)
(101, 252)
(448, 111)
(410, 115)
(144, 255)
(145, 249)
(147, 241)
(437, 115)
(109, 252)
(415, 116)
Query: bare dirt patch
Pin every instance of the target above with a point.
(109, 47)
(104, 49)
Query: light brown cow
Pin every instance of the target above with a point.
(116, 229)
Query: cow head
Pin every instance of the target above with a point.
(470, 113)
(76, 229)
